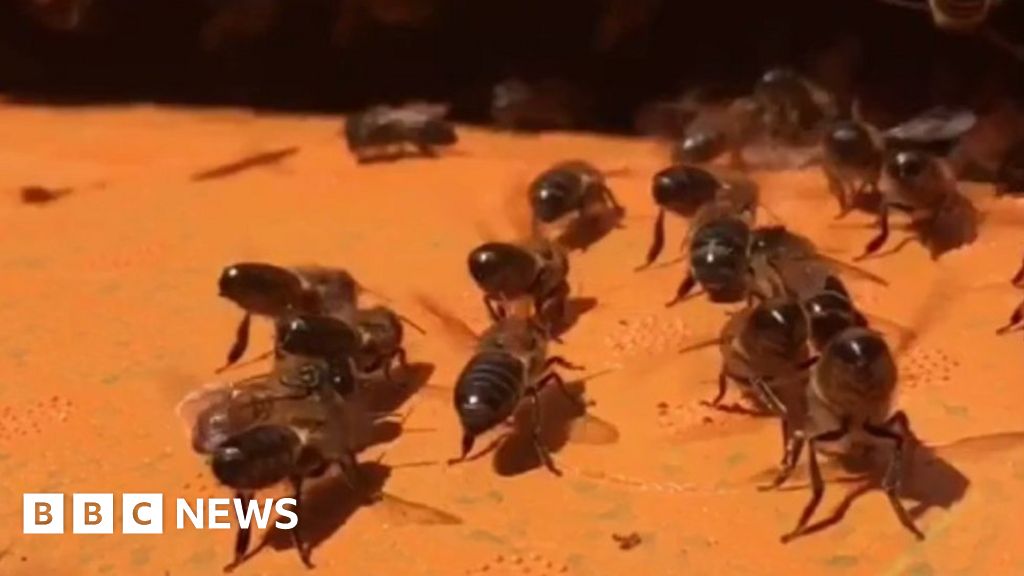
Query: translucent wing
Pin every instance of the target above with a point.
(935, 125)
(591, 429)
(454, 327)
(401, 512)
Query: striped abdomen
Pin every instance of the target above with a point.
(257, 458)
(488, 390)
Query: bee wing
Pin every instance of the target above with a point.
(939, 124)
(852, 269)
(594, 430)
(199, 400)
(454, 326)
(418, 112)
(402, 512)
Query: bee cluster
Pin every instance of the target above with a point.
(800, 348)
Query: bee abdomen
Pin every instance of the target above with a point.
(488, 389)
(257, 458)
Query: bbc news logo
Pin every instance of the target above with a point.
(144, 513)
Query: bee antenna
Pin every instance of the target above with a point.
(414, 325)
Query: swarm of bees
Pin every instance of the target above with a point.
(799, 348)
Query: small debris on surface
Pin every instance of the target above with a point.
(627, 541)
(42, 194)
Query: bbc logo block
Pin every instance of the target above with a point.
(92, 513)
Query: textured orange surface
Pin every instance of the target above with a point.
(109, 314)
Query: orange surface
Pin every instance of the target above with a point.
(109, 315)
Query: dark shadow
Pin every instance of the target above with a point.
(575, 308)
(385, 397)
(269, 158)
(584, 232)
(327, 504)
(563, 420)
(929, 480)
(42, 195)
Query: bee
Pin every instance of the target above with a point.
(793, 110)
(537, 269)
(325, 341)
(274, 292)
(573, 186)
(258, 434)
(385, 133)
(719, 129)
(850, 404)
(510, 363)
(852, 161)
(382, 338)
(1018, 313)
(684, 189)
(917, 182)
(719, 242)
(763, 348)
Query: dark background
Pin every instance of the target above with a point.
(164, 51)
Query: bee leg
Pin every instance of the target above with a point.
(683, 292)
(1016, 318)
(770, 398)
(556, 379)
(838, 189)
(403, 363)
(723, 384)
(794, 443)
(242, 537)
(494, 309)
(542, 451)
(893, 480)
(468, 440)
(300, 545)
(817, 483)
(1018, 278)
(241, 342)
(561, 363)
(883, 233)
(658, 243)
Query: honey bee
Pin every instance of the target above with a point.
(684, 189)
(258, 434)
(719, 243)
(942, 218)
(385, 133)
(850, 403)
(382, 338)
(793, 110)
(852, 161)
(274, 292)
(573, 187)
(763, 349)
(537, 269)
(1018, 313)
(510, 363)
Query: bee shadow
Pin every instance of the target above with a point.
(583, 233)
(385, 398)
(516, 454)
(575, 308)
(327, 504)
(929, 481)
